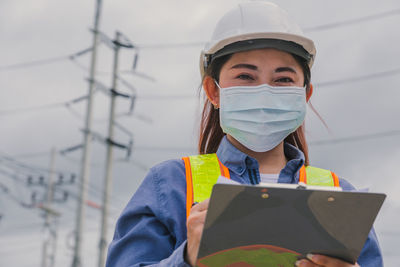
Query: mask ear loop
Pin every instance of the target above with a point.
(219, 87)
(216, 83)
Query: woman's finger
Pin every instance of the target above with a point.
(195, 225)
(305, 263)
(196, 219)
(200, 206)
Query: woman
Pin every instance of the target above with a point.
(256, 75)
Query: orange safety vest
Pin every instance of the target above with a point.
(202, 172)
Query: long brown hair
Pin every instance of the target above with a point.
(211, 133)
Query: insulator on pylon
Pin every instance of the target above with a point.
(33, 197)
(73, 178)
(60, 179)
(30, 180)
(65, 196)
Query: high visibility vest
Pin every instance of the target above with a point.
(202, 172)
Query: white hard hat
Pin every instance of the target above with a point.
(255, 25)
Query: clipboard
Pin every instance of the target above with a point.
(250, 225)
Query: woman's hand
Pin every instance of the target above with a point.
(195, 225)
(320, 260)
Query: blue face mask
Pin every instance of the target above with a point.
(261, 117)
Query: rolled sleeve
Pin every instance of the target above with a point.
(143, 235)
(176, 258)
(371, 255)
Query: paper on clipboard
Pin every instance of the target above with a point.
(269, 226)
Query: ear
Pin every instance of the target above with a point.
(211, 90)
(309, 93)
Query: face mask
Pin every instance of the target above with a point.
(261, 117)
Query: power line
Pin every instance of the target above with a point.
(12, 176)
(14, 164)
(16, 178)
(180, 45)
(76, 114)
(32, 63)
(6, 159)
(19, 166)
(176, 97)
(29, 109)
(9, 194)
(43, 61)
(354, 79)
(96, 190)
(67, 104)
(312, 143)
(352, 21)
(33, 155)
(183, 44)
(163, 97)
(322, 27)
(355, 138)
(42, 107)
(165, 148)
(170, 45)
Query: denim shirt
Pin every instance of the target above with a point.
(151, 230)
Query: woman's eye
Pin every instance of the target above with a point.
(284, 80)
(245, 77)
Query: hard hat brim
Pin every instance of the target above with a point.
(290, 43)
(247, 45)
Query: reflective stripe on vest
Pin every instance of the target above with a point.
(202, 172)
(316, 176)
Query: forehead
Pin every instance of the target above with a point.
(264, 58)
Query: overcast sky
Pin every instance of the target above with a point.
(166, 112)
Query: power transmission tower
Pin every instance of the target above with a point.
(110, 144)
(77, 262)
(50, 224)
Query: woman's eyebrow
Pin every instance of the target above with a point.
(246, 66)
(284, 69)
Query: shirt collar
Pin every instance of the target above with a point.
(295, 157)
(231, 157)
(237, 161)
